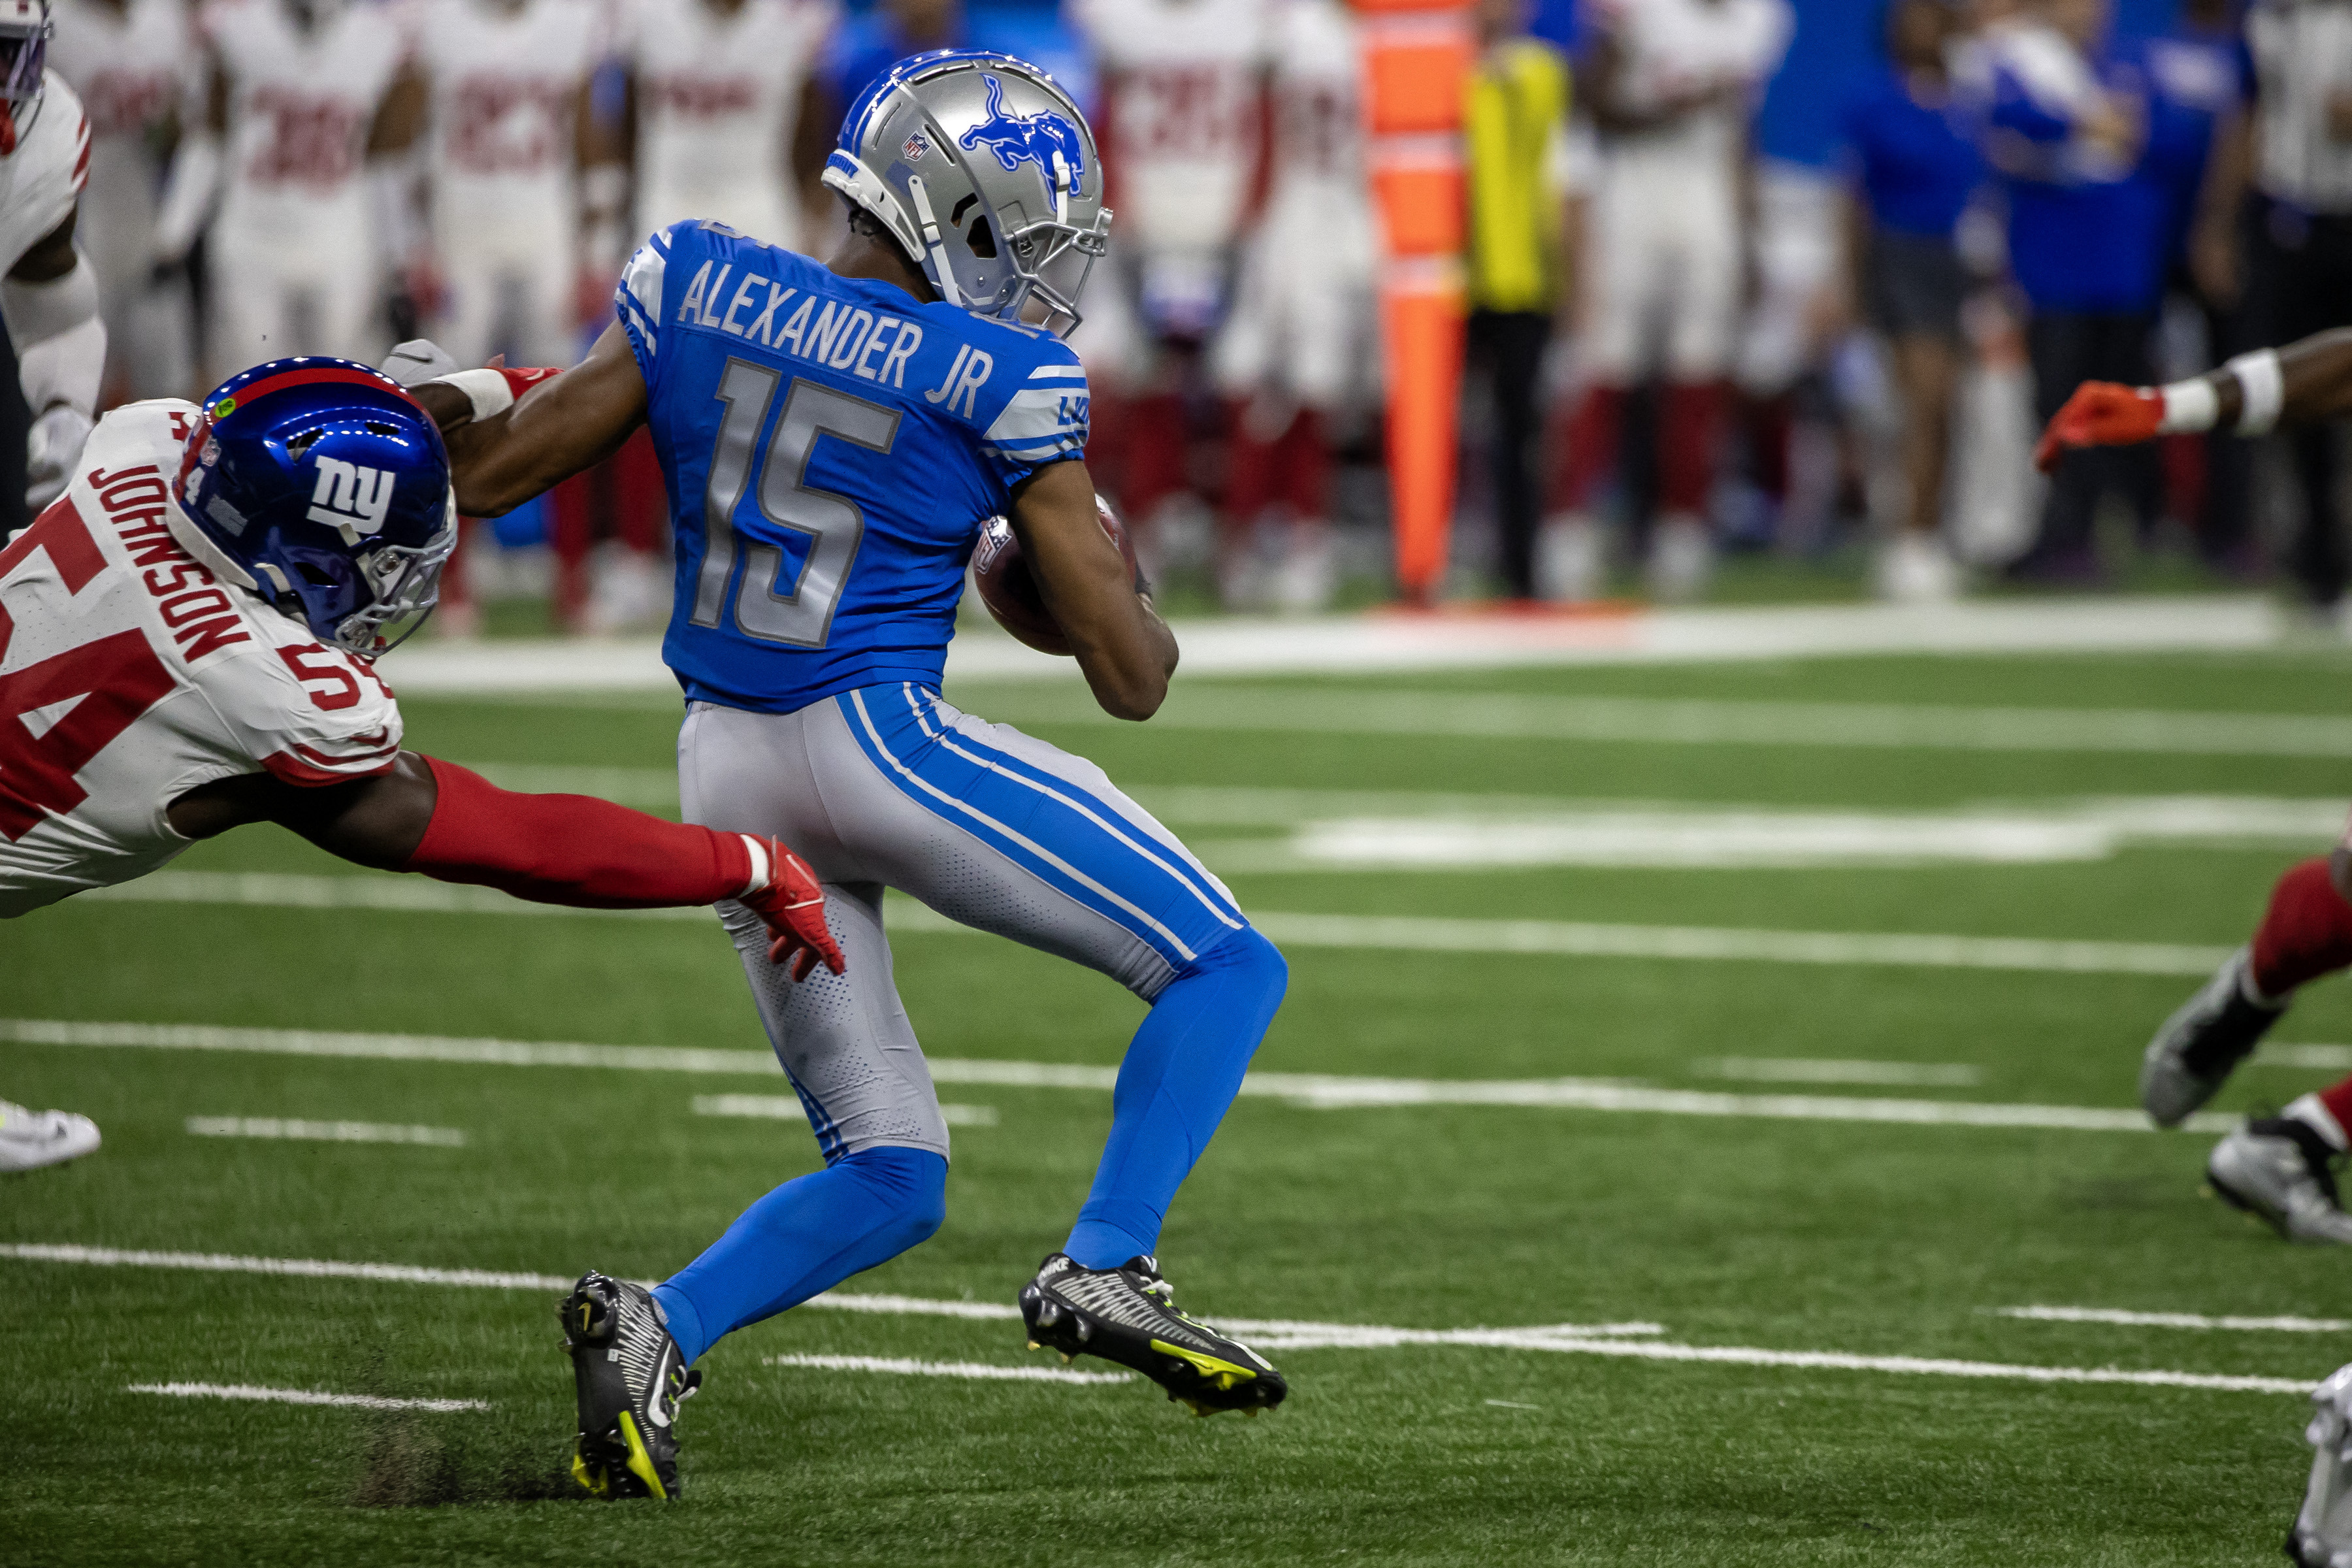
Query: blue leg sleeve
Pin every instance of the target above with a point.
(807, 1236)
(1183, 1069)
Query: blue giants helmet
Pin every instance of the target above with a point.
(985, 171)
(323, 487)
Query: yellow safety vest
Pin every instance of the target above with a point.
(1516, 104)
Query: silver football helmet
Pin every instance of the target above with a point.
(986, 172)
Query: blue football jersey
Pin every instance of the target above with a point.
(831, 449)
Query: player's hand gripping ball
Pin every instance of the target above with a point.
(1010, 589)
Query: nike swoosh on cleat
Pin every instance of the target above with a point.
(653, 1411)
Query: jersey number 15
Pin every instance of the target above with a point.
(799, 613)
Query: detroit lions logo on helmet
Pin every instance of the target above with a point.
(1044, 139)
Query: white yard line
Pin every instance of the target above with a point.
(2175, 1319)
(788, 1107)
(322, 1132)
(1645, 720)
(1801, 1069)
(297, 1396)
(2160, 818)
(1928, 1366)
(979, 1371)
(2327, 1059)
(1346, 644)
(1318, 1091)
(1400, 933)
(1622, 1340)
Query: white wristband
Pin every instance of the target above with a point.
(2261, 387)
(486, 390)
(761, 870)
(2188, 407)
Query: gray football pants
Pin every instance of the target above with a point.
(890, 788)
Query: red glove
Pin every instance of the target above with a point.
(2101, 414)
(520, 380)
(792, 905)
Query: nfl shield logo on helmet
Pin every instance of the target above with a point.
(916, 145)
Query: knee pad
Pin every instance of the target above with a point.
(1248, 955)
(912, 1182)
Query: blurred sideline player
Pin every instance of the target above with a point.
(864, 47)
(1299, 338)
(1671, 90)
(718, 121)
(1914, 168)
(1183, 90)
(2281, 1168)
(203, 607)
(49, 298)
(834, 437)
(1521, 242)
(132, 63)
(300, 97)
(506, 126)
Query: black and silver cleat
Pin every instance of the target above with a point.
(1129, 1315)
(2202, 1044)
(631, 1381)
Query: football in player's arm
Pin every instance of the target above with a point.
(221, 671)
(2306, 381)
(504, 449)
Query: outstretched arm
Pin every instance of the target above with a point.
(561, 426)
(2302, 384)
(1125, 648)
(450, 824)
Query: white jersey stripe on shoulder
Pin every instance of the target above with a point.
(641, 289)
(857, 699)
(1083, 806)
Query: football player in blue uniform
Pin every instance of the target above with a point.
(834, 436)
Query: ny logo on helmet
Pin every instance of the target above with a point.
(350, 499)
(1044, 139)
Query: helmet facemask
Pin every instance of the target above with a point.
(24, 29)
(404, 585)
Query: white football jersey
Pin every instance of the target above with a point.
(134, 70)
(1674, 47)
(1318, 125)
(128, 676)
(301, 104)
(42, 179)
(1180, 125)
(505, 82)
(718, 97)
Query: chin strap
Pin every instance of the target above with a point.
(943, 275)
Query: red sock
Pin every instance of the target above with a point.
(1306, 466)
(1686, 445)
(1249, 470)
(2306, 933)
(453, 588)
(571, 533)
(2338, 1098)
(640, 505)
(1155, 444)
(1594, 433)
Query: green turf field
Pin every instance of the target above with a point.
(1872, 1239)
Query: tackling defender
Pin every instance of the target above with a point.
(2280, 1168)
(833, 437)
(187, 642)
